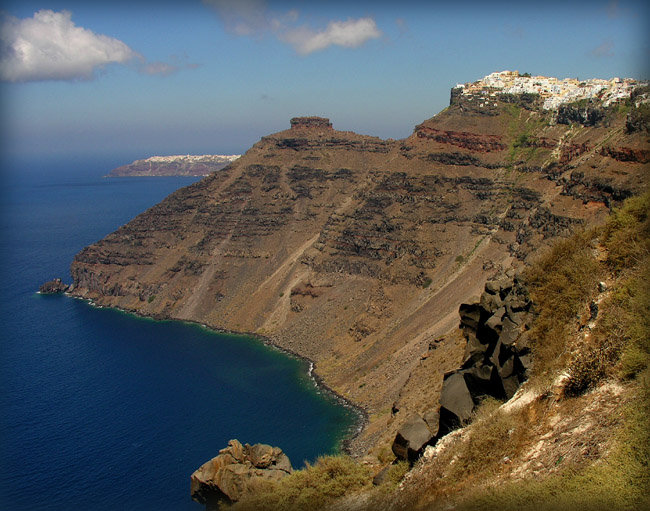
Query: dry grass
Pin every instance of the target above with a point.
(587, 451)
(311, 488)
(560, 283)
(591, 449)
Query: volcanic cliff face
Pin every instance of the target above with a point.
(355, 251)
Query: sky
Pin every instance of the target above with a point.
(132, 79)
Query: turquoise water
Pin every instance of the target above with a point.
(104, 410)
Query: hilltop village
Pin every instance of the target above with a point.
(177, 165)
(553, 91)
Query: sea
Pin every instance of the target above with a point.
(103, 410)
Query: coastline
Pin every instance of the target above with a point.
(345, 445)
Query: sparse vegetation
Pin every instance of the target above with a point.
(619, 345)
(395, 475)
(606, 467)
(311, 488)
(560, 284)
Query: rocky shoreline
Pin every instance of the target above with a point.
(56, 286)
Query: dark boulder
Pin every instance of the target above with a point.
(456, 403)
(497, 355)
(412, 438)
(474, 351)
(470, 316)
(491, 302)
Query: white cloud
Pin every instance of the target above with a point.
(49, 46)
(252, 18)
(349, 34)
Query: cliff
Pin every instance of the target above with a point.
(356, 252)
(183, 165)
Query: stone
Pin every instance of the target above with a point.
(238, 470)
(456, 403)
(517, 304)
(474, 351)
(500, 286)
(507, 368)
(492, 287)
(491, 302)
(380, 478)
(494, 322)
(517, 318)
(470, 315)
(509, 332)
(235, 449)
(522, 345)
(602, 287)
(432, 418)
(53, 287)
(510, 385)
(526, 361)
(261, 455)
(479, 380)
(411, 439)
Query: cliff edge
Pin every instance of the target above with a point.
(356, 252)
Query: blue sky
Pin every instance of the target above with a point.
(135, 79)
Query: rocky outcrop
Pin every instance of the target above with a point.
(584, 112)
(497, 354)
(638, 120)
(53, 287)
(310, 122)
(464, 139)
(496, 359)
(626, 154)
(236, 472)
(570, 151)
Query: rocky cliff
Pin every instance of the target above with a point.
(355, 251)
(183, 165)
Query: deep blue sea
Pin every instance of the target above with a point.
(102, 410)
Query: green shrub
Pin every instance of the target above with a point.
(395, 475)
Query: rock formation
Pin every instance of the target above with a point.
(497, 354)
(236, 472)
(354, 251)
(53, 287)
(495, 362)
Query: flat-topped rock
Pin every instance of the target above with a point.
(310, 122)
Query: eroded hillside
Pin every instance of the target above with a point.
(355, 251)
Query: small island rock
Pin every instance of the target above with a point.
(53, 287)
